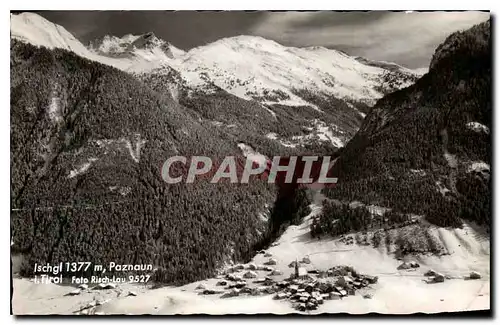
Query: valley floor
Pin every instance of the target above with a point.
(396, 292)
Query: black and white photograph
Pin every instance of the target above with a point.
(250, 162)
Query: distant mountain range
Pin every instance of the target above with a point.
(324, 93)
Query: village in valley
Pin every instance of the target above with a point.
(306, 287)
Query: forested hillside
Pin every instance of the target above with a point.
(87, 146)
(426, 149)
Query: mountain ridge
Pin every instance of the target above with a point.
(157, 60)
(314, 90)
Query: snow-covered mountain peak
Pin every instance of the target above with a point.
(244, 42)
(35, 29)
(129, 45)
(113, 45)
(252, 67)
(131, 53)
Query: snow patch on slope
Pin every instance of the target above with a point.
(478, 166)
(81, 169)
(135, 153)
(251, 154)
(271, 112)
(363, 115)
(318, 131)
(325, 134)
(451, 159)
(478, 127)
(134, 149)
(442, 188)
(55, 111)
(272, 136)
(419, 172)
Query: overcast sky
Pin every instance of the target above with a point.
(405, 38)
